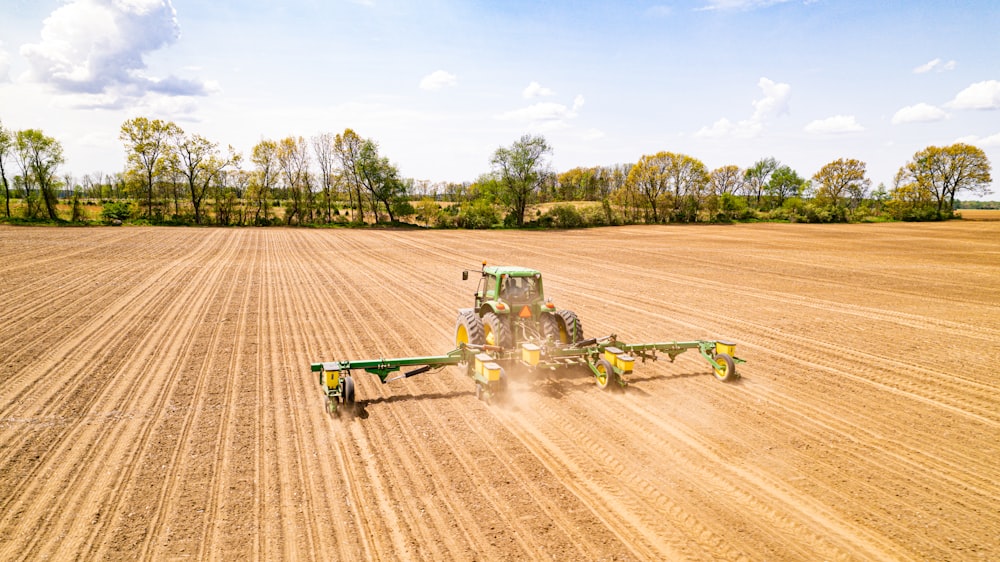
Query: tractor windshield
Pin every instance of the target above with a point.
(519, 289)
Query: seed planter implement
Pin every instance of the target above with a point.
(512, 324)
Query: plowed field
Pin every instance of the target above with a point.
(156, 399)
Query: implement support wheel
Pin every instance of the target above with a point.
(605, 373)
(728, 370)
(347, 394)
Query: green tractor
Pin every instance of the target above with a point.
(511, 308)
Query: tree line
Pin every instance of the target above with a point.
(175, 177)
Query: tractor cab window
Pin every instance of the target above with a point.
(488, 283)
(519, 289)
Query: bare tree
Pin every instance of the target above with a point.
(326, 159)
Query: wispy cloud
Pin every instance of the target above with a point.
(988, 141)
(936, 65)
(741, 5)
(838, 124)
(919, 113)
(981, 95)
(437, 80)
(97, 48)
(545, 115)
(775, 102)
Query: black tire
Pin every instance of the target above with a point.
(571, 326)
(496, 331)
(347, 395)
(550, 328)
(348, 391)
(606, 373)
(728, 373)
(469, 329)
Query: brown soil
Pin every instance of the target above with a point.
(157, 401)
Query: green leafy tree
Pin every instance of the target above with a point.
(944, 172)
(381, 179)
(41, 156)
(667, 180)
(727, 179)
(520, 170)
(842, 183)
(263, 180)
(784, 183)
(147, 147)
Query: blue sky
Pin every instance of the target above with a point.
(441, 84)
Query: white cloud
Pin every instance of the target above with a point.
(96, 48)
(981, 95)
(437, 80)
(546, 115)
(990, 141)
(834, 125)
(724, 128)
(936, 65)
(919, 113)
(542, 111)
(774, 103)
(535, 90)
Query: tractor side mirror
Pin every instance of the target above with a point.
(465, 275)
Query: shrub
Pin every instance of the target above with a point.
(564, 216)
(116, 211)
(479, 214)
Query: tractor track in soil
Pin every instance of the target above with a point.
(157, 401)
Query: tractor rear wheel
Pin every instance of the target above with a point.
(605, 373)
(571, 328)
(496, 331)
(469, 329)
(550, 328)
(728, 370)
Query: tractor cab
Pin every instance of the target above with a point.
(504, 286)
(510, 308)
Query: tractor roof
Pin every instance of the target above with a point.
(511, 270)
